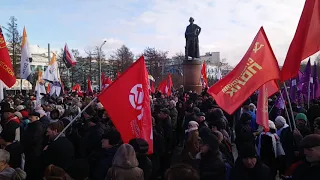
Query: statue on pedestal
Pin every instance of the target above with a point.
(192, 41)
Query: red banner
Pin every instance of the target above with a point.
(127, 102)
(265, 91)
(257, 67)
(306, 40)
(6, 69)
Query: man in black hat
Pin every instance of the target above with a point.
(32, 141)
(311, 168)
(249, 166)
(201, 119)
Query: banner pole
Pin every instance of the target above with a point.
(287, 113)
(74, 119)
(289, 102)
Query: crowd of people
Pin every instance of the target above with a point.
(193, 139)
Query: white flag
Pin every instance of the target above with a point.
(26, 59)
(52, 72)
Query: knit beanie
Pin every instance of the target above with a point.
(301, 116)
(280, 120)
(248, 151)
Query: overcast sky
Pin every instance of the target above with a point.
(228, 26)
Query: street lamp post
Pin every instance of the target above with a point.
(100, 85)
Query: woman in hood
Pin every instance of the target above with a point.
(191, 148)
(125, 165)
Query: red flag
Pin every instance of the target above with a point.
(89, 87)
(257, 67)
(265, 91)
(6, 69)
(306, 40)
(130, 94)
(165, 86)
(107, 81)
(48, 88)
(204, 74)
(76, 87)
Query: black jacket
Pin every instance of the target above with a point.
(212, 167)
(93, 138)
(101, 162)
(259, 172)
(59, 153)
(15, 150)
(307, 172)
(146, 165)
(32, 144)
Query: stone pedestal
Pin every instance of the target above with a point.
(192, 75)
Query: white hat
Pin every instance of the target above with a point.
(280, 120)
(272, 125)
(192, 126)
(20, 108)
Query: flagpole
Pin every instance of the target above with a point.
(271, 108)
(289, 102)
(287, 113)
(309, 94)
(74, 119)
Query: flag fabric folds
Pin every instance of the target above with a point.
(40, 88)
(204, 76)
(89, 87)
(52, 72)
(265, 91)
(257, 67)
(132, 98)
(76, 87)
(52, 75)
(26, 59)
(165, 86)
(68, 57)
(306, 40)
(6, 68)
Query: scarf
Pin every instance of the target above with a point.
(280, 130)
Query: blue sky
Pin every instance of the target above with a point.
(228, 26)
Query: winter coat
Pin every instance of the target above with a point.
(59, 153)
(32, 144)
(100, 162)
(125, 165)
(174, 118)
(146, 165)
(93, 138)
(15, 149)
(307, 172)
(259, 172)
(45, 122)
(212, 167)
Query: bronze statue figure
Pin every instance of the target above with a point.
(192, 41)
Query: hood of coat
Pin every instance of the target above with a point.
(125, 157)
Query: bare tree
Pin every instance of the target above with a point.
(155, 61)
(14, 46)
(124, 57)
